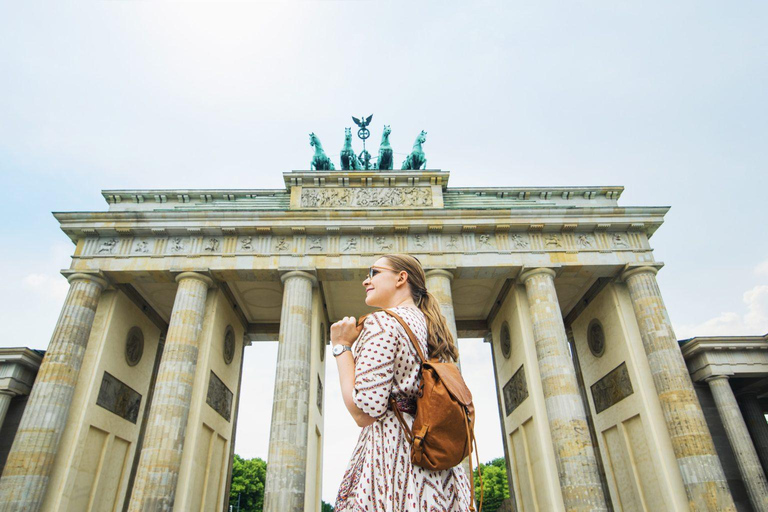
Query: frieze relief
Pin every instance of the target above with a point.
(403, 197)
(364, 243)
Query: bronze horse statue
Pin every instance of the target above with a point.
(417, 159)
(385, 160)
(348, 158)
(320, 162)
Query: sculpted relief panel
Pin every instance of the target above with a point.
(366, 197)
(471, 242)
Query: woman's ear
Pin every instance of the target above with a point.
(402, 278)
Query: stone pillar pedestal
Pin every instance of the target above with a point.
(741, 443)
(574, 453)
(5, 403)
(155, 485)
(700, 467)
(758, 427)
(30, 460)
(287, 459)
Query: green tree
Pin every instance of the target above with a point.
(327, 507)
(495, 488)
(248, 477)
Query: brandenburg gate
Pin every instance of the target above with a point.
(136, 400)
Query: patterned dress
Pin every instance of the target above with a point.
(380, 476)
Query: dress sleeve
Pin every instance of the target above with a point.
(375, 364)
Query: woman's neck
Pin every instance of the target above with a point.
(405, 302)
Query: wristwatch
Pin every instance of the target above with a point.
(340, 349)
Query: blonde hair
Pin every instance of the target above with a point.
(440, 341)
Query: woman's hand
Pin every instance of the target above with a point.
(345, 331)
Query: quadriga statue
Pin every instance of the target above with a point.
(417, 159)
(320, 162)
(385, 160)
(348, 158)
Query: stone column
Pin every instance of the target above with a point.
(155, 485)
(287, 459)
(30, 460)
(741, 443)
(439, 285)
(758, 427)
(5, 403)
(574, 452)
(697, 459)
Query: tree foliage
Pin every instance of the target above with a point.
(326, 507)
(495, 488)
(248, 478)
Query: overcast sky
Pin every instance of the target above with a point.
(664, 98)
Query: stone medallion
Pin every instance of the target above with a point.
(505, 341)
(596, 338)
(134, 346)
(229, 345)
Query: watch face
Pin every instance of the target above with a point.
(337, 350)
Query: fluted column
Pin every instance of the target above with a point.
(30, 460)
(758, 427)
(5, 403)
(439, 285)
(155, 485)
(697, 459)
(741, 444)
(574, 453)
(287, 459)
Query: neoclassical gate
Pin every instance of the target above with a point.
(135, 403)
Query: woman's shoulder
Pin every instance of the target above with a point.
(383, 320)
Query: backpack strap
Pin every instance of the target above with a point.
(408, 432)
(409, 332)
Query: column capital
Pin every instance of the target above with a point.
(528, 273)
(712, 378)
(94, 277)
(195, 275)
(632, 269)
(284, 276)
(439, 272)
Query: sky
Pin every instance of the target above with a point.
(664, 98)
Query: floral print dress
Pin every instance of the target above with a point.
(380, 476)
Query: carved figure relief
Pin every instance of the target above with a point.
(366, 197)
(618, 241)
(552, 241)
(453, 241)
(351, 245)
(212, 245)
(612, 389)
(119, 398)
(177, 244)
(108, 246)
(518, 241)
(246, 243)
(142, 246)
(315, 243)
(515, 391)
(584, 241)
(383, 244)
(418, 241)
(282, 244)
(485, 241)
(219, 396)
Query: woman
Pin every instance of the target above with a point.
(380, 476)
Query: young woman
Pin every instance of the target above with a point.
(377, 359)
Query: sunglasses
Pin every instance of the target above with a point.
(375, 270)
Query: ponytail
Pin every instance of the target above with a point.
(440, 341)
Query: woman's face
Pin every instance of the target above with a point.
(381, 289)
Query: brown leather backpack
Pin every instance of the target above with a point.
(443, 427)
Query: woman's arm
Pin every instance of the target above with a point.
(345, 332)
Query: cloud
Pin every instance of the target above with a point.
(753, 320)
